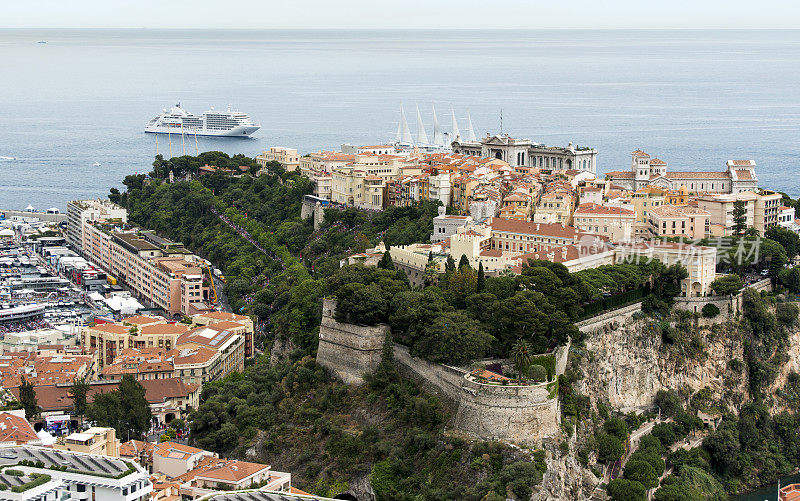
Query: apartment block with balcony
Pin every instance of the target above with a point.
(686, 222)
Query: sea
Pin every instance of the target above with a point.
(695, 99)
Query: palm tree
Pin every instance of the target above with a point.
(521, 355)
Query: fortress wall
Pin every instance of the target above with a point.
(348, 350)
(522, 414)
(616, 316)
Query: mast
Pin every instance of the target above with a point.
(196, 148)
(438, 137)
(156, 134)
(169, 136)
(471, 130)
(422, 137)
(183, 141)
(456, 132)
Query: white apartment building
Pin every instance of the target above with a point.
(81, 211)
(80, 476)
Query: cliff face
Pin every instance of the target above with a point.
(565, 479)
(625, 364)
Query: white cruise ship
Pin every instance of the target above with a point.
(210, 123)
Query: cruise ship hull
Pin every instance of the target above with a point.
(238, 131)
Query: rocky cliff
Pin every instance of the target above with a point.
(625, 364)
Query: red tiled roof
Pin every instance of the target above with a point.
(596, 209)
(526, 227)
(58, 398)
(16, 429)
(697, 175)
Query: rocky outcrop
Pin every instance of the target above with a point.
(625, 364)
(565, 479)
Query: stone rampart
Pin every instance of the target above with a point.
(348, 350)
(728, 306)
(522, 414)
(620, 315)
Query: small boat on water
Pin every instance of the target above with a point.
(97, 164)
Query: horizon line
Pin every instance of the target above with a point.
(387, 28)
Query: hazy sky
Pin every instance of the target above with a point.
(399, 14)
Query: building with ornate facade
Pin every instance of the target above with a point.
(739, 176)
(524, 152)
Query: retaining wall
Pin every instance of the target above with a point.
(619, 315)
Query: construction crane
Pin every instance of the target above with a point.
(213, 287)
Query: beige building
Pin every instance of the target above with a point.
(80, 212)
(216, 317)
(614, 223)
(287, 157)
(686, 222)
(699, 261)
(739, 176)
(219, 337)
(643, 201)
(95, 440)
(155, 269)
(361, 183)
(522, 237)
(174, 459)
(761, 209)
(109, 339)
(555, 207)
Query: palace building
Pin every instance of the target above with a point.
(739, 176)
(524, 152)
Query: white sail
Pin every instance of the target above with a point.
(404, 133)
(470, 130)
(438, 137)
(398, 138)
(422, 137)
(456, 133)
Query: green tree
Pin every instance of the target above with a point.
(27, 396)
(522, 356)
(622, 489)
(609, 448)
(80, 389)
(125, 409)
(641, 471)
(135, 408)
(710, 310)
(787, 238)
(481, 277)
(386, 262)
(177, 424)
(463, 262)
(669, 402)
(727, 285)
(739, 218)
(450, 264)
(790, 278)
(453, 338)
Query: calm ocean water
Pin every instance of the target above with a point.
(693, 98)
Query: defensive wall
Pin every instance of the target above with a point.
(349, 350)
(315, 210)
(620, 315)
(514, 413)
